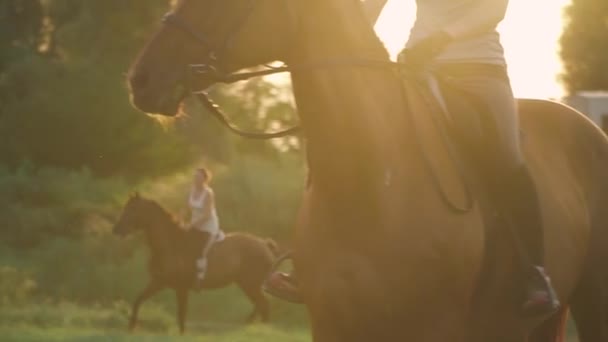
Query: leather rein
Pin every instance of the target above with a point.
(213, 70)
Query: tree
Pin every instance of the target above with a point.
(63, 102)
(62, 97)
(584, 44)
(21, 22)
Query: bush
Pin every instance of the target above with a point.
(39, 204)
(16, 286)
(255, 195)
(57, 224)
(95, 269)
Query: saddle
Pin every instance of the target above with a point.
(467, 131)
(441, 114)
(455, 131)
(436, 136)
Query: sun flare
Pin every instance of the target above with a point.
(529, 33)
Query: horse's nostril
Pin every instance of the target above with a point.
(139, 80)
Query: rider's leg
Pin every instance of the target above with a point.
(201, 240)
(513, 185)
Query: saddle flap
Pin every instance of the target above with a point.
(430, 121)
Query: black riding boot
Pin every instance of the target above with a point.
(523, 209)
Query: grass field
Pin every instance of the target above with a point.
(253, 333)
(65, 321)
(207, 332)
(69, 322)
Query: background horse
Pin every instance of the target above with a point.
(240, 258)
(380, 256)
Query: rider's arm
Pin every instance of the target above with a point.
(373, 8)
(484, 16)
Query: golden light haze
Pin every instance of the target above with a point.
(529, 33)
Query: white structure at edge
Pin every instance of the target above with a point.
(594, 104)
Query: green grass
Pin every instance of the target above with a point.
(47, 321)
(253, 333)
(202, 333)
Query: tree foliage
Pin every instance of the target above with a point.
(63, 102)
(71, 143)
(584, 44)
(62, 94)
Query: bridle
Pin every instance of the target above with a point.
(215, 53)
(214, 71)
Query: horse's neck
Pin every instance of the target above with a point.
(352, 116)
(162, 233)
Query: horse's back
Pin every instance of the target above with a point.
(568, 157)
(559, 131)
(239, 257)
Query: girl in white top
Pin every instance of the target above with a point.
(202, 204)
(204, 221)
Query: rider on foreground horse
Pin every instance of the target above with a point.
(458, 40)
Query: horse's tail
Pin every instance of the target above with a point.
(272, 245)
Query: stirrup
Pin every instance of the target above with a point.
(282, 285)
(541, 300)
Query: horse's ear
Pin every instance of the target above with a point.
(135, 194)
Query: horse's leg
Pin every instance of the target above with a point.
(589, 301)
(252, 316)
(182, 306)
(150, 290)
(260, 302)
(590, 309)
(553, 329)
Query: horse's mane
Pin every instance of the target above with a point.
(165, 214)
(352, 17)
(353, 116)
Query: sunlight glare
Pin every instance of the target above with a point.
(529, 33)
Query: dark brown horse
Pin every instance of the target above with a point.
(380, 256)
(240, 258)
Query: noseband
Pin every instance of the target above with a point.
(213, 66)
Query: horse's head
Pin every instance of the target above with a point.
(132, 216)
(200, 39)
